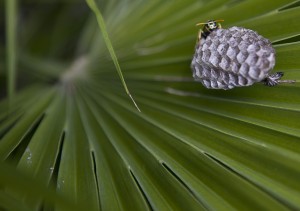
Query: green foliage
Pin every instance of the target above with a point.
(72, 140)
(11, 16)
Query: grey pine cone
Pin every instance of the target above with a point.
(232, 57)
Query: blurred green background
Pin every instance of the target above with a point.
(71, 138)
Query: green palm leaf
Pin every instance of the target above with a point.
(72, 128)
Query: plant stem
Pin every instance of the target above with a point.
(11, 23)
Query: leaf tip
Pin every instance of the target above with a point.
(135, 104)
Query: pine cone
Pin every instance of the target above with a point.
(232, 57)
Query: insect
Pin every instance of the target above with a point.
(208, 28)
(233, 57)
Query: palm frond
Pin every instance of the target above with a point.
(72, 128)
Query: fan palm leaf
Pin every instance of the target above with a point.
(72, 139)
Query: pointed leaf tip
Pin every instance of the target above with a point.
(93, 6)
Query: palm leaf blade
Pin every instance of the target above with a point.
(190, 148)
